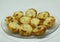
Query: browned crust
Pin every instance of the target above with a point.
(21, 32)
(40, 32)
(33, 25)
(14, 15)
(43, 15)
(34, 10)
(13, 30)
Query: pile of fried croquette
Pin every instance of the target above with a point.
(32, 23)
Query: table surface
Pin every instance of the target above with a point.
(51, 3)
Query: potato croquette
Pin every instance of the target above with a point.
(40, 30)
(25, 29)
(25, 19)
(10, 19)
(31, 13)
(49, 21)
(35, 22)
(43, 15)
(13, 27)
(18, 14)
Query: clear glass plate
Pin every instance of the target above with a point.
(17, 37)
(49, 31)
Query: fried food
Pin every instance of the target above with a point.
(25, 19)
(10, 19)
(35, 22)
(49, 21)
(13, 27)
(40, 30)
(43, 15)
(31, 13)
(18, 14)
(25, 30)
(30, 23)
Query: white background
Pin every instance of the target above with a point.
(7, 7)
